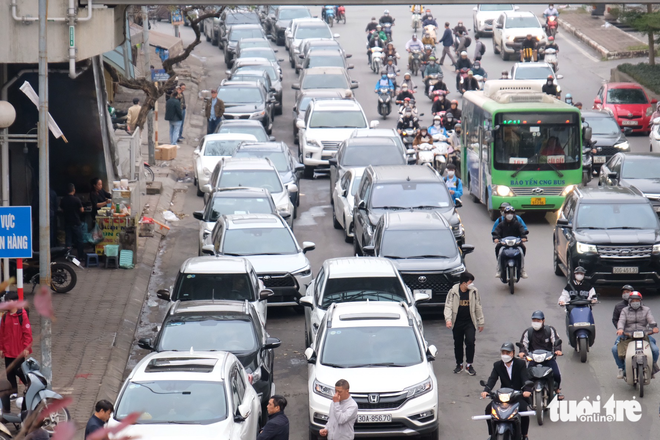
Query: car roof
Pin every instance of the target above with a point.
(609, 194)
(223, 306)
(332, 70)
(241, 122)
(374, 132)
(356, 171)
(240, 192)
(399, 173)
(172, 365)
(215, 264)
(640, 154)
(370, 141)
(247, 221)
(247, 163)
(325, 53)
(368, 314)
(262, 146)
(519, 14)
(313, 22)
(336, 104)
(532, 65)
(229, 136)
(596, 114)
(320, 93)
(414, 220)
(357, 267)
(330, 42)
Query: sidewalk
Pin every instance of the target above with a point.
(610, 41)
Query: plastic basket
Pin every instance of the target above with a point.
(111, 250)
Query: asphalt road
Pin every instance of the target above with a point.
(506, 315)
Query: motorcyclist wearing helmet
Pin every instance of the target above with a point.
(463, 62)
(551, 88)
(403, 94)
(461, 33)
(385, 82)
(510, 227)
(427, 39)
(437, 127)
(440, 104)
(512, 373)
(543, 337)
(505, 74)
(407, 79)
(552, 44)
(455, 143)
(625, 293)
(455, 111)
(551, 10)
(371, 26)
(634, 317)
(386, 18)
(375, 41)
(450, 121)
(578, 288)
(379, 33)
(431, 68)
(477, 69)
(413, 45)
(470, 83)
(426, 13)
(429, 21)
(390, 69)
(422, 137)
(454, 184)
(407, 122)
(440, 85)
(569, 99)
(501, 218)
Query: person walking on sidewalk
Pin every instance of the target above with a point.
(277, 426)
(132, 116)
(71, 208)
(102, 412)
(447, 41)
(15, 346)
(182, 98)
(463, 315)
(342, 415)
(174, 115)
(215, 108)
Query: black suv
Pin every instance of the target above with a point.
(230, 18)
(401, 188)
(248, 100)
(639, 171)
(612, 232)
(276, 25)
(214, 325)
(423, 249)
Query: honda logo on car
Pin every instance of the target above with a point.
(374, 398)
(594, 411)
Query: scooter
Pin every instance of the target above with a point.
(463, 74)
(434, 78)
(543, 390)
(551, 58)
(416, 21)
(407, 137)
(415, 62)
(511, 261)
(330, 15)
(580, 324)
(639, 361)
(480, 80)
(341, 14)
(387, 28)
(505, 416)
(37, 390)
(588, 161)
(551, 26)
(377, 56)
(392, 77)
(384, 102)
(441, 153)
(425, 154)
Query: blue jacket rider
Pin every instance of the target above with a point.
(384, 81)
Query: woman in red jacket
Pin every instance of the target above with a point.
(15, 342)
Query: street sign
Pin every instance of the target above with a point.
(15, 232)
(177, 17)
(159, 75)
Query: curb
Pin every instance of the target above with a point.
(604, 52)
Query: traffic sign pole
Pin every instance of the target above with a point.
(19, 278)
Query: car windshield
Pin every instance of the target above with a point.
(224, 147)
(418, 244)
(259, 52)
(325, 81)
(173, 402)
(207, 333)
(279, 158)
(534, 72)
(616, 216)
(290, 14)
(303, 33)
(237, 205)
(259, 241)
(644, 167)
(257, 131)
(603, 125)
(365, 288)
(325, 61)
(242, 19)
(495, 8)
(270, 70)
(240, 95)
(268, 179)
(240, 34)
(337, 119)
(250, 78)
(522, 22)
(626, 96)
(208, 286)
(373, 155)
(254, 43)
(407, 195)
(371, 347)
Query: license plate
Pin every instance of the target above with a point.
(423, 291)
(600, 159)
(627, 122)
(75, 261)
(625, 270)
(374, 418)
(538, 201)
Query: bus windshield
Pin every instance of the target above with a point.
(542, 141)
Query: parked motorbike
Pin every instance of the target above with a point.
(416, 21)
(377, 56)
(551, 26)
(505, 416)
(416, 62)
(639, 361)
(511, 263)
(551, 58)
(330, 15)
(543, 390)
(37, 390)
(580, 324)
(384, 102)
(63, 277)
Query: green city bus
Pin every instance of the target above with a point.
(519, 146)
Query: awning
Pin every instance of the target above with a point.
(157, 39)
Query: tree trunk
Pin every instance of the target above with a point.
(649, 9)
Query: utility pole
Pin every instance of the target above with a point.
(147, 76)
(44, 187)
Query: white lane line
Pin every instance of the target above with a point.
(584, 52)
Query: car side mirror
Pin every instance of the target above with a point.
(362, 205)
(300, 124)
(467, 249)
(308, 246)
(301, 56)
(272, 90)
(515, 8)
(350, 66)
(243, 412)
(612, 176)
(207, 189)
(163, 294)
(431, 352)
(332, 161)
(284, 215)
(335, 35)
(563, 222)
(458, 203)
(208, 249)
(560, 76)
(199, 215)
(374, 124)
(310, 355)
(654, 101)
(475, 9)
(295, 86)
(597, 101)
(421, 297)
(368, 250)
(306, 301)
(272, 343)
(628, 131)
(355, 84)
(587, 133)
(271, 138)
(348, 55)
(292, 187)
(228, 73)
(344, 192)
(299, 167)
(264, 294)
(146, 344)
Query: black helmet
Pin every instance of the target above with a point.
(508, 346)
(627, 287)
(449, 115)
(538, 315)
(580, 269)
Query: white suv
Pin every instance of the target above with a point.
(353, 279)
(326, 125)
(511, 28)
(189, 395)
(379, 349)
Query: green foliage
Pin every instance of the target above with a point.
(642, 21)
(645, 74)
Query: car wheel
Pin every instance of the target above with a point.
(356, 247)
(335, 222)
(293, 65)
(207, 38)
(433, 435)
(312, 436)
(505, 57)
(555, 265)
(278, 109)
(200, 193)
(347, 229)
(495, 49)
(309, 172)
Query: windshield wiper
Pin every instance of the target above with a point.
(624, 227)
(589, 227)
(380, 364)
(335, 365)
(521, 168)
(390, 207)
(393, 257)
(426, 207)
(556, 170)
(428, 256)
(234, 254)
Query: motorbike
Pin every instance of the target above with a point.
(37, 390)
(63, 277)
(543, 390)
(463, 73)
(551, 58)
(441, 148)
(511, 262)
(407, 137)
(505, 416)
(463, 39)
(434, 78)
(387, 28)
(588, 169)
(415, 62)
(580, 325)
(384, 101)
(639, 361)
(480, 80)
(425, 154)
(392, 77)
(330, 15)
(377, 56)
(551, 26)
(341, 14)
(416, 21)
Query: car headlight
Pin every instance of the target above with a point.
(459, 270)
(419, 389)
(649, 111)
(502, 190)
(257, 115)
(206, 171)
(623, 146)
(584, 248)
(567, 190)
(511, 38)
(285, 206)
(305, 272)
(457, 229)
(314, 142)
(656, 248)
(323, 390)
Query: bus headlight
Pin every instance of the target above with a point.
(502, 190)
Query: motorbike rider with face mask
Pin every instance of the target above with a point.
(455, 110)
(450, 121)
(625, 293)
(461, 63)
(551, 88)
(371, 26)
(577, 286)
(512, 373)
(440, 104)
(543, 337)
(384, 82)
(510, 227)
(551, 10)
(431, 68)
(375, 41)
(635, 317)
(403, 94)
(407, 79)
(500, 219)
(407, 122)
(437, 127)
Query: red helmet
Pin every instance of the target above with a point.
(407, 99)
(635, 295)
(551, 38)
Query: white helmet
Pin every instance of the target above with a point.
(387, 12)
(437, 118)
(464, 53)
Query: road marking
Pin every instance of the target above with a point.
(584, 52)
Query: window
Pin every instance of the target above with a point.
(237, 205)
(279, 158)
(336, 119)
(240, 95)
(616, 216)
(419, 244)
(326, 81)
(208, 333)
(318, 286)
(290, 14)
(258, 52)
(268, 179)
(259, 241)
(626, 96)
(224, 147)
(302, 33)
(647, 167)
(522, 22)
(207, 286)
(606, 126)
(362, 156)
(241, 34)
(344, 182)
(569, 207)
(405, 195)
(364, 288)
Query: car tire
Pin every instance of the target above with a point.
(496, 51)
(347, 238)
(279, 109)
(312, 436)
(555, 265)
(279, 42)
(308, 341)
(433, 435)
(505, 56)
(356, 247)
(335, 222)
(309, 172)
(200, 193)
(207, 38)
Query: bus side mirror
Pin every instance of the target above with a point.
(586, 133)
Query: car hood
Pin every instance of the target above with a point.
(329, 134)
(370, 380)
(623, 110)
(617, 236)
(647, 186)
(522, 32)
(243, 108)
(488, 15)
(448, 213)
(268, 264)
(608, 140)
(209, 162)
(427, 264)
(171, 431)
(282, 24)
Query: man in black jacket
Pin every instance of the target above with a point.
(512, 373)
(625, 293)
(550, 88)
(277, 426)
(174, 115)
(510, 227)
